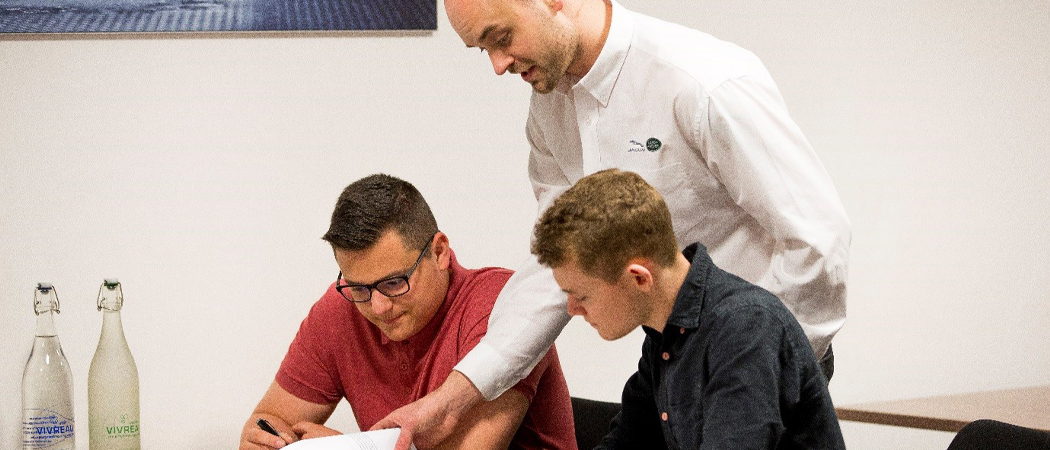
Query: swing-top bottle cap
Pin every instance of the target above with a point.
(45, 298)
(110, 295)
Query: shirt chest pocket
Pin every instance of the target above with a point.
(674, 184)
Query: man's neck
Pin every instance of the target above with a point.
(668, 283)
(593, 18)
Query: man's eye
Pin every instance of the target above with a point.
(394, 284)
(504, 40)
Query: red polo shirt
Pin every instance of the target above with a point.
(338, 353)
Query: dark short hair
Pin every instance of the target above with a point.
(602, 222)
(371, 206)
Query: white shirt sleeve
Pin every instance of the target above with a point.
(756, 150)
(530, 310)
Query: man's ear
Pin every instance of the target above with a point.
(639, 275)
(441, 250)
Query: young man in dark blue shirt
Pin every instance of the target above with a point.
(724, 364)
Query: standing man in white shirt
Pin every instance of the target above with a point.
(699, 119)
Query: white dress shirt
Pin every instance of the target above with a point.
(703, 122)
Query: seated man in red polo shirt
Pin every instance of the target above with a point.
(400, 315)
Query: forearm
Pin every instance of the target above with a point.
(489, 425)
(281, 410)
(526, 319)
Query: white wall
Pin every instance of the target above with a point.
(202, 171)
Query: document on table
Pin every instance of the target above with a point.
(368, 440)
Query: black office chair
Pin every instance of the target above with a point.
(994, 435)
(592, 419)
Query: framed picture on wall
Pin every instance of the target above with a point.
(109, 16)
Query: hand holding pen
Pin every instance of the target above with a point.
(267, 432)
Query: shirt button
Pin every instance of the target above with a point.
(667, 356)
(664, 417)
(404, 366)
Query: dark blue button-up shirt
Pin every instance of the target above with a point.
(732, 369)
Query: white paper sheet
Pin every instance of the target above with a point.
(369, 440)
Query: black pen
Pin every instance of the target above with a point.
(262, 423)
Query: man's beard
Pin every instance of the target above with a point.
(554, 63)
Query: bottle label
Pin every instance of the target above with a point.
(122, 428)
(44, 428)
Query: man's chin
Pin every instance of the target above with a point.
(394, 334)
(542, 87)
(611, 335)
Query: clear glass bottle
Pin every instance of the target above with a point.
(113, 380)
(47, 383)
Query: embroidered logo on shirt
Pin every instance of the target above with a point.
(652, 145)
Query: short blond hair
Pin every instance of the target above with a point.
(604, 221)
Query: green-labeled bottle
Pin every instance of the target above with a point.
(113, 380)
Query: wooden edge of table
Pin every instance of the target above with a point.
(900, 420)
(1027, 407)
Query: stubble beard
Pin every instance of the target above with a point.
(556, 62)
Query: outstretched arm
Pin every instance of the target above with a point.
(526, 319)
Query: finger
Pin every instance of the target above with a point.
(306, 428)
(404, 440)
(386, 422)
(266, 440)
(286, 433)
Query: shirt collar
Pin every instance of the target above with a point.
(600, 80)
(690, 300)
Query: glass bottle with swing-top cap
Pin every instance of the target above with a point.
(47, 383)
(113, 380)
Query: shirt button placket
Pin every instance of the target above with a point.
(587, 122)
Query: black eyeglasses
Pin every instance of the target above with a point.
(390, 287)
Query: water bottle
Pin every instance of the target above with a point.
(47, 383)
(113, 380)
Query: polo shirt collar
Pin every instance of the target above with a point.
(690, 300)
(600, 80)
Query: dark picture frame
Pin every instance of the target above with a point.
(134, 16)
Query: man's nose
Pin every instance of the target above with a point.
(500, 61)
(573, 308)
(381, 304)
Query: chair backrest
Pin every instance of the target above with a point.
(592, 419)
(994, 435)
